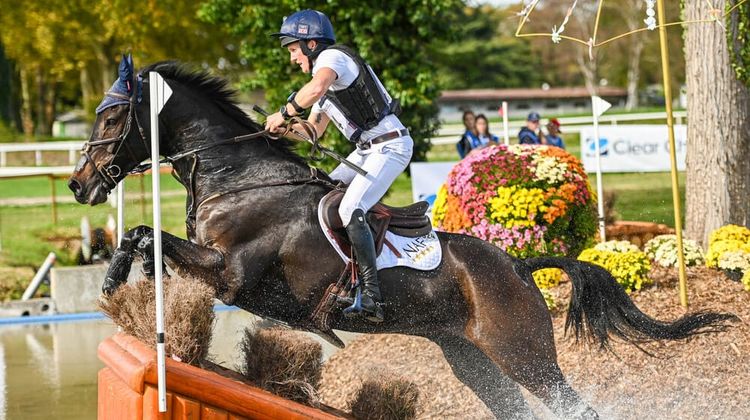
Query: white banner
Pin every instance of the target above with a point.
(426, 179)
(633, 148)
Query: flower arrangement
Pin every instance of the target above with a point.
(729, 250)
(727, 239)
(617, 246)
(730, 232)
(545, 279)
(663, 250)
(527, 200)
(628, 265)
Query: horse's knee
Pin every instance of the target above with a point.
(117, 273)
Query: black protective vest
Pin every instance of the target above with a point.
(362, 102)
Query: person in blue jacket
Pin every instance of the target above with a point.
(553, 136)
(469, 139)
(531, 134)
(483, 133)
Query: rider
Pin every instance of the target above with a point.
(346, 90)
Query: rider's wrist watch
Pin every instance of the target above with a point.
(284, 112)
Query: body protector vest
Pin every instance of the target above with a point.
(362, 103)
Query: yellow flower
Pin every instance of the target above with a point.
(629, 268)
(515, 206)
(547, 277)
(720, 247)
(730, 232)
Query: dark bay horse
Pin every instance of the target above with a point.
(254, 236)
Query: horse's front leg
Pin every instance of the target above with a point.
(201, 262)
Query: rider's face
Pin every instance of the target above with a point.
(297, 57)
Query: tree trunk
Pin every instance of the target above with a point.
(718, 173)
(43, 126)
(27, 119)
(634, 71)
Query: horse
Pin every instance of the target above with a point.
(253, 235)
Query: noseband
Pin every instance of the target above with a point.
(108, 172)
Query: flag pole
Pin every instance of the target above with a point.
(672, 150)
(598, 107)
(159, 94)
(506, 136)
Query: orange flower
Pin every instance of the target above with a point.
(455, 219)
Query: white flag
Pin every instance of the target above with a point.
(600, 105)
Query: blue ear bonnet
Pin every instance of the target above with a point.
(122, 90)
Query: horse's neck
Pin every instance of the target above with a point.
(225, 168)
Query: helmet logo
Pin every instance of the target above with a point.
(302, 29)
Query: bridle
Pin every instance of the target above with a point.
(109, 172)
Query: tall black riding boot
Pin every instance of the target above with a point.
(364, 248)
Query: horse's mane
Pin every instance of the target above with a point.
(216, 89)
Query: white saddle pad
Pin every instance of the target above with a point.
(421, 253)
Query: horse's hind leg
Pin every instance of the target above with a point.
(475, 370)
(516, 333)
(510, 323)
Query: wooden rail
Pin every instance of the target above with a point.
(127, 390)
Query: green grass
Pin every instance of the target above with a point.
(40, 186)
(28, 233)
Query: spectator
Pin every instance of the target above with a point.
(531, 134)
(483, 132)
(553, 138)
(469, 139)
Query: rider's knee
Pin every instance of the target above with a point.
(347, 211)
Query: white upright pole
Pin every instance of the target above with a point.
(505, 123)
(121, 210)
(598, 107)
(156, 88)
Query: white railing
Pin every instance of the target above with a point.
(72, 147)
(450, 133)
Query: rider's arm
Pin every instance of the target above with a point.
(306, 97)
(314, 89)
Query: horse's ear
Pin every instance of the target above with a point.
(126, 72)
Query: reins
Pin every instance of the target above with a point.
(312, 179)
(109, 175)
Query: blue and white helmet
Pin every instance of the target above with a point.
(306, 25)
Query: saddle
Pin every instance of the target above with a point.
(410, 221)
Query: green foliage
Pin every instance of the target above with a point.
(397, 40)
(738, 39)
(629, 267)
(484, 56)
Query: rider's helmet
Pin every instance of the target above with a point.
(307, 25)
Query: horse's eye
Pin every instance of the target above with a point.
(110, 122)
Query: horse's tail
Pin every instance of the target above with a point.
(602, 303)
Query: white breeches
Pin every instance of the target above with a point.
(383, 162)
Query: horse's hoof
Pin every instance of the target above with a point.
(110, 286)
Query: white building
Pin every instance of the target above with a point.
(547, 102)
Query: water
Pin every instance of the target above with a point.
(50, 370)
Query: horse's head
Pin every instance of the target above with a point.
(117, 143)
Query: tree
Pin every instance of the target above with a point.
(632, 61)
(718, 174)
(485, 54)
(56, 43)
(398, 40)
